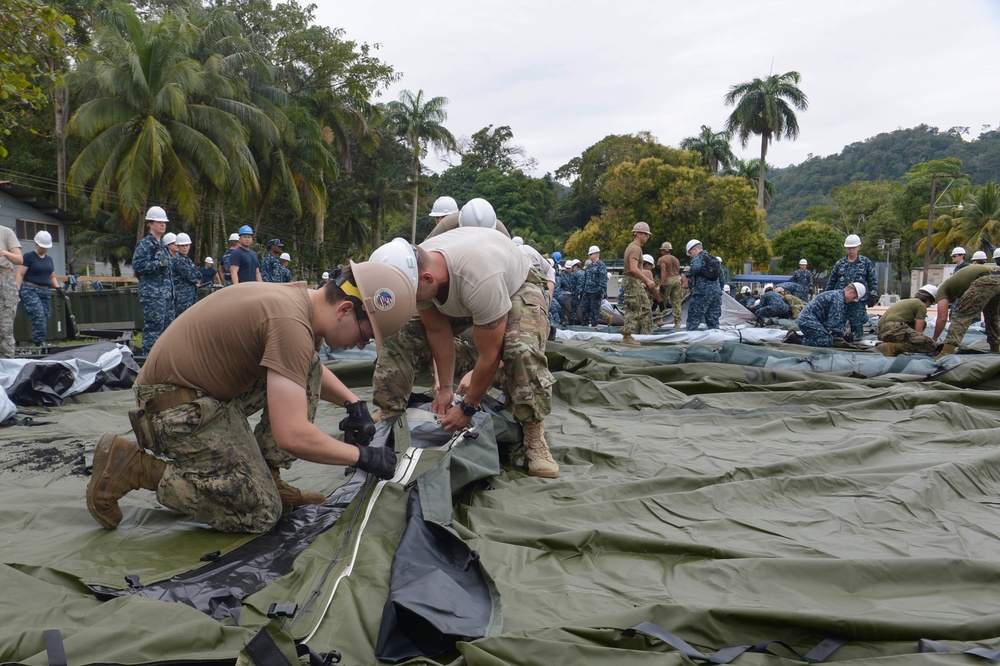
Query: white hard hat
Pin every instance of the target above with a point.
(183, 239)
(326, 275)
(803, 262)
(769, 285)
(568, 264)
(745, 290)
(233, 237)
(853, 240)
(43, 239)
(169, 238)
(209, 260)
(930, 289)
(860, 288)
(648, 259)
(978, 254)
(552, 262)
(725, 288)
(156, 214)
(593, 250)
(691, 244)
(477, 213)
(285, 257)
(958, 250)
(517, 240)
(399, 253)
(444, 206)
(996, 253)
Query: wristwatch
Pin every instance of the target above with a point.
(468, 409)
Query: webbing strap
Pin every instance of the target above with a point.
(55, 651)
(263, 651)
(818, 654)
(928, 645)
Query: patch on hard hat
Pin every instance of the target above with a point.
(384, 299)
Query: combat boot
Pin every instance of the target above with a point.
(540, 462)
(627, 339)
(291, 496)
(891, 348)
(119, 468)
(946, 350)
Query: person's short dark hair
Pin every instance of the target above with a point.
(334, 293)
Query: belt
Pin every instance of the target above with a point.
(163, 401)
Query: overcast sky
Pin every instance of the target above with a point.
(566, 73)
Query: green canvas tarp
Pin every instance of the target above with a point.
(730, 495)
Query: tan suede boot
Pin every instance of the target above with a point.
(627, 339)
(291, 496)
(119, 468)
(891, 348)
(946, 350)
(540, 462)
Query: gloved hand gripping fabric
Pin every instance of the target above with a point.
(357, 425)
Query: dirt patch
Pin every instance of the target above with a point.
(42, 456)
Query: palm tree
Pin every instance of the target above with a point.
(713, 148)
(418, 123)
(981, 216)
(948, 223)
(750, 171)
(764, 108)
(149, 133)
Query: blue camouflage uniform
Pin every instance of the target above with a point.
(824, 317)
(771, 304)
(270, 269)
(286, 274)
(595, 289)
(556, 315)
(795, 289)
(576, 296)
(804, 278)
(227, 277)
(186, 278)
(151, 264)
(706, 296)
(844, 273)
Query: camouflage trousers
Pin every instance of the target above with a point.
(856, 314)
(590, 304)
(982, 296)
(158, 311)
(525, 373)
(913, 341)
(37, 302)
(8, 310)
(638, 318)
(704, 307)
(671, 291)
(219, 469)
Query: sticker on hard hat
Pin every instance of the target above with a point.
(384, 299)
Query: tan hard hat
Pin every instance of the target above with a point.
(388, 297)
(666, 246)
(640, 227)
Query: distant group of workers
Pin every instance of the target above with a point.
(169, 279)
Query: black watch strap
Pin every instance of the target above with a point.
(467, 408)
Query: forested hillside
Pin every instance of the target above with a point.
(884, 157)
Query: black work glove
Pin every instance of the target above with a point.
(848, 337)
(378, 461)
(163, 262)
(872, 299)
(59, 292)
(357, 425)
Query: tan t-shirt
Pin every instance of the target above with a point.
(8, 241)
(633, 251)
(225, 342)
(450, 222)
(484, 270)
(669, 265)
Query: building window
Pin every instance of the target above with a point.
(26, 230)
